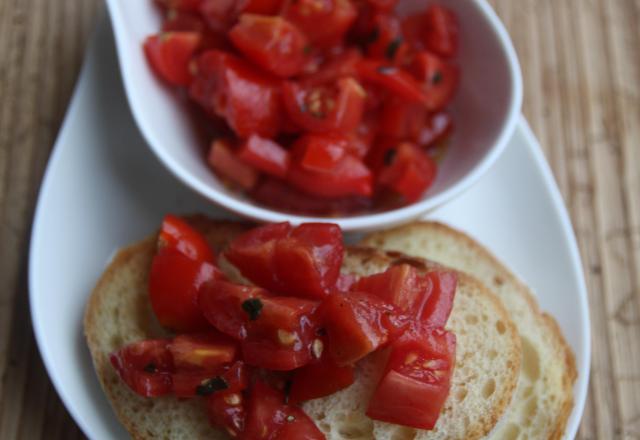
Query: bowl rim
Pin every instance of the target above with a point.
(248, 209)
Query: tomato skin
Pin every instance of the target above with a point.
(440, 302)
(409, 172)
(400, 285)
(359, 323)
(265, 155)
(249, 100)
(169, 54)
(174, 281)
(349, 177)
(199, 351)
(394, 79)
(325, 21)
(145, 366)
(410, 393)
(273, 43)
(227, 164)
(177, 235)
(319, 379)
(320, 152)
(325, 108)
(441, 35)
(439, 79)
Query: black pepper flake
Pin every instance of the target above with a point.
(387, 70)
(253, 307)
(389, 156)
(372, 36)
(392, 48)
(212, 385)
(437, 77)
(321, 332)
(150, 368)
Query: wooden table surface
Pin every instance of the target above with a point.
(581, 66)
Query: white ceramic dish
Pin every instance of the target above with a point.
(486, 111)
(103, 189)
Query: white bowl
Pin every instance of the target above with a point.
(486, 110)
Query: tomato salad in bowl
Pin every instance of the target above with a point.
(318, 107)
(292, 331)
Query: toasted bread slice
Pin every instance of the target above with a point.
(544, 397)
(487, 358)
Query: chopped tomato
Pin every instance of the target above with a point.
(231, 88)
(170, 53)
(412, 30)
(416, 383)
(383, 5)
(228, 164)
(439, 79)
(219, 14)
(181, 21)
(267, 255)
(408, 171)
(441, 35)
(228, 378)
(388, 43)
(174, 281)
(181, 5)
(268, 418)
(402, 120)
(200, 351)
(349, 177)
(440, 302)
(359, 323)
(145, 367)
(320, 152)
(324, 21)
(177, 236)
(392, 78)
(319, 379)
(265, 155)
(342, 65)
(266, 7)
(226, 410)
(284, 197)
(273, 43)
(401, 285)
(332, 107)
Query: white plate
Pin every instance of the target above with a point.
(103, 189)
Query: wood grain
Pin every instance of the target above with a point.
(581, 66)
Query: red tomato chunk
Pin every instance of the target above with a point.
(306, 97)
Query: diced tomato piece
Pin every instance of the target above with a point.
(408, 171)
(267, 255)
(181, 21)
(145, 367)
(440, 125)
(319, 379)
(181, 5)
(249, 100)
(389, 44)
(334, 107)
(266, 7)
(174, 281)
(268, 418)
(225, 162)
(349, 177)
(339, 66)
(219, 14)
(265, 155)
(401, 285)
(199, 351)
(273, 43)
(383, 5)
(441, 35)
(226, 410)
(412, 30)
(394, 79)
(415, 386)
(177, 236)
(228, 306)
(278, 194)
(170, 53)
(359, 323)
(253, 253)
(439, 79)
(320, 152)
(402, 120)
(228, 378)
(440, 302)
(324, 21)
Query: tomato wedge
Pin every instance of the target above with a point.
(145, 366)
(358, 323)
(273, 43)
(231, 88)
(416, 383)
(265, 155)
(177, 235)
(225, 162)
(169, 54)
